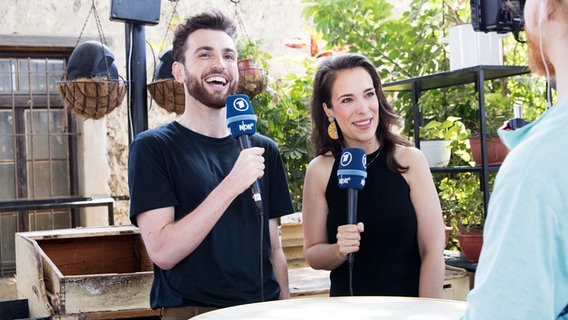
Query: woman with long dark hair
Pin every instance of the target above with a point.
(400, 252)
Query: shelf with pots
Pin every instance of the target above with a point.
(477, 176)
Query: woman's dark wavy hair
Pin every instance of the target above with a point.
(211, 20)
(388, 118)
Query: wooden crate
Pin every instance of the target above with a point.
(92, 272)
(292, 241)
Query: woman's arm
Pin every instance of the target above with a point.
(431, 236)
(319, 253)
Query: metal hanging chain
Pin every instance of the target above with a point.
(240, 22)
(99, 30)
(174, 11)
(98, 22)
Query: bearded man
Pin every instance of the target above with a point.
(189, 188)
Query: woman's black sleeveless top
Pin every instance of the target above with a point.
(388, 261)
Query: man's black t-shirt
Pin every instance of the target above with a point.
(174, 166)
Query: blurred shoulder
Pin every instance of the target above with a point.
(409, 156)
(321, 165)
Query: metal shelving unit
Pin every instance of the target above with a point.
(478, 75)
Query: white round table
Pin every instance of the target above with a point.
(352, 308)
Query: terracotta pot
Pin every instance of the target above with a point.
(252, 79)
(248, 70)
(470, 243)
(496, 150)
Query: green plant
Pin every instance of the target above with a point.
(455, 11)
(252, 49)
(368, 27)
(449, 129)
(498, 109)
(462, 202)
(283, 114)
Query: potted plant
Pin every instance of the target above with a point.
(252, 78)
(462, 203)
(499, 109)
(437, 139)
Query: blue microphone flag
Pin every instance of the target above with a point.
(352, 170)
(240, 116)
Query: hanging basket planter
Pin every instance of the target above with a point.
(164, 89)
(91, 98)
(91, 87)
(168, 94)
(252, 79)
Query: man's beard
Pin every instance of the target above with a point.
(214, 100)
(535, 58)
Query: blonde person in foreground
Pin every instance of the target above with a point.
(523, 268)
(398, 241)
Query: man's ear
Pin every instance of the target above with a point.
(178, 70)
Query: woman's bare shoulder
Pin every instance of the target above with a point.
(407, 155)
(321, 163)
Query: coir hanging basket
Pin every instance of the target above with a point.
(164, 89)
(168, 94)
(91, 88)
(91, 98)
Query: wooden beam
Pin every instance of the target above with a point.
(23, 45)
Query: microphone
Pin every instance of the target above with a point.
(242, 123)
(351, 176)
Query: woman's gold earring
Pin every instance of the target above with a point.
(332, 129)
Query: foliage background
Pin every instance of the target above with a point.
(408, 46)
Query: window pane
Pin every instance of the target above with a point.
(45, 127)
(39, 185)
(36, 134)
(42, 221)
(60, 179)
(23, 75)
(8, 186)
(32, 75)
(62, 219)
(7, 76)
(6, 132)
(8, 225)
(55, 72)
(58, 133)
(50, 219)
(48, 181)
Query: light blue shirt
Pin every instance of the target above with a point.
(522, 272)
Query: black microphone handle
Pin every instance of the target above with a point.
(255, 188)
(351, 215)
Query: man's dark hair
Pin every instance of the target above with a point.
(211, 20)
